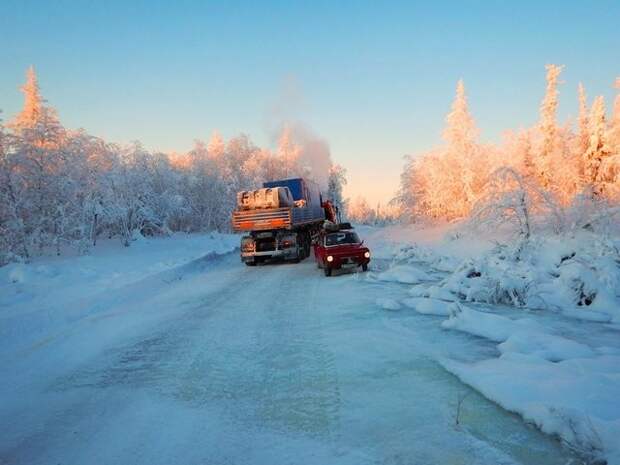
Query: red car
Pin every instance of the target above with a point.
(341, 249)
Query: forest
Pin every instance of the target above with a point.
(551, 175)
(62, 189)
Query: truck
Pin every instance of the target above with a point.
(275, 227)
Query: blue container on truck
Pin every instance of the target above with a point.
(285, 232)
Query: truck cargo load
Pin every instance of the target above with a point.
(253, 214)
(267, 197)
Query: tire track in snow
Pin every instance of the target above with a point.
(254, 351)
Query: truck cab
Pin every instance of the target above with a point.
(342, 248)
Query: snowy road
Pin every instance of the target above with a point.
(218, 363)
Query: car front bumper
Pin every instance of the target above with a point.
(347, 262)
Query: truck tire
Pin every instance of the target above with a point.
(328, 271)
(252, 263)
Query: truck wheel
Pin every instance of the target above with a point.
(365, 267)
(328, 271)
(252, 263)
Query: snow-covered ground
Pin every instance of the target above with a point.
(552, 312)
(172, 351)
(50, 293)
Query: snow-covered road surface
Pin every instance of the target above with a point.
(218, 363)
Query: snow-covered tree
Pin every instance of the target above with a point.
(462, 150)
(598, 151)
(583, 136)
(337, 179)
(33, 108)
(358, 211)
(216, 145)
(446, 182)
(614, 129)
(548, 125)
(510, 199)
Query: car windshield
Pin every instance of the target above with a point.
(342, 237)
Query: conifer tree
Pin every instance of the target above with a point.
(32, 110)
(216, 145)
(584, 134)
(598, 150)
(461, 134)
(548, 124)
(614, 130)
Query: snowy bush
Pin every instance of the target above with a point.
(559, 273)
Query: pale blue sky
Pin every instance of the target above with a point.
(375, 79)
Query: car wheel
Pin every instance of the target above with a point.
(328, 271)
(365, 267)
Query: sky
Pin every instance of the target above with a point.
(374, 79)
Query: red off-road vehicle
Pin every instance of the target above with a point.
(341, 248)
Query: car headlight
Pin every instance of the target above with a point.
(367, 254)
(330, 258)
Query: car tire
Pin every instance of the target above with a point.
(365, 267)
(328, 271)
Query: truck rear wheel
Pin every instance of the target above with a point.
(252, 263)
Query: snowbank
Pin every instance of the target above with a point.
(60, 286)
(490, 326)
(428, 306)
(403, 274)
(545, 346)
